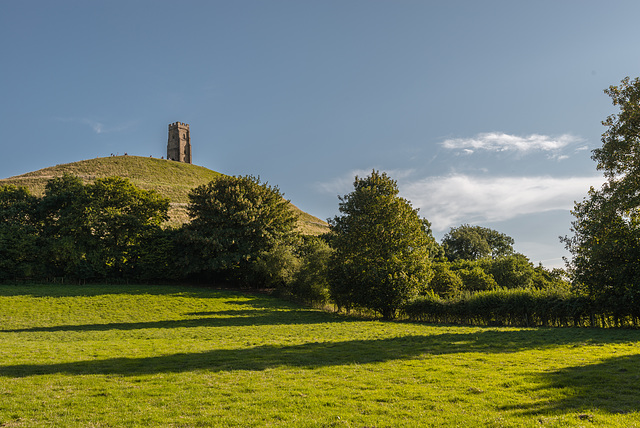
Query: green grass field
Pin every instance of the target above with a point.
(120, 356)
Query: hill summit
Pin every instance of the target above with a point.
(171, 179)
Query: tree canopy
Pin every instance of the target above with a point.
(606, 241)
(235, 220)
(475, 242)
(381, 256)
(19, 232)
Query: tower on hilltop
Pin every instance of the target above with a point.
(179, 143)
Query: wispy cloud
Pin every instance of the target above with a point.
(455, 199)
(501, 142)
(451, 200)
(97, 126)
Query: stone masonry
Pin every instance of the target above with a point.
(179, 143)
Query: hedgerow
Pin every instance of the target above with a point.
(516, 307)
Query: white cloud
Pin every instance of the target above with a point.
(448, 201)
(501, 142)
(455, 199)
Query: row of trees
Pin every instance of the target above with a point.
(379, 254)
(110, 229)
(605, 267)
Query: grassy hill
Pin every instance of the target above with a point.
(171, 179)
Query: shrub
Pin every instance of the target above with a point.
(445, 282)
(515, 307)
(311, 284)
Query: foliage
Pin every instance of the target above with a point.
(554, 279)
(606, 241)
(512, 271)
(98, 230)
(445, 282)
(381, 248)
(475, 242)
(157, 258)
(474, 278)
(19, 231)
(515, 307)
(234, 222)
(277, 266)
(311, 281)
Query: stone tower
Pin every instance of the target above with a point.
(179, 143)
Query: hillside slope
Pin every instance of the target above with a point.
(171, 179)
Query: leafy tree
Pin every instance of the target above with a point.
(445, 282)
(311, 283)
(475, 242)
(156, 256)
(65, 231)
(606, 241)
(513, 271)
(606, 249)
(474, 275)
(277, 266)
(121, 216)
(381, 247)
(19, 232)
(98, 229)
(236, 221)
(550, 279)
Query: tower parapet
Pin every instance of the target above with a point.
(179, 142)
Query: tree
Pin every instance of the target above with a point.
(234, 222)
(445, 282)
(121, 217)
(381, 245)
(476, 242)
(311, 280)
(512, 271)
(606, 241)
(65, 231)
(19, 233)
(474, 274)
(98, 230)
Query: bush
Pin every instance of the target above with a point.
(476, 279)
(515, 307)
(311, 284)
(445, 282)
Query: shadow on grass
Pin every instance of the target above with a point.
(71, 290)
(309, 355)
(612, 385)
(228, 318)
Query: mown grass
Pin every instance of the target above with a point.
(171, 179)
(184, 356)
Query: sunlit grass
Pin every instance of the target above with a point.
(185, 356)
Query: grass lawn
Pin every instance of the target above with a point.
(118, 356)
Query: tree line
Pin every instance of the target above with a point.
(378, 256)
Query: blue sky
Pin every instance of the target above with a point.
(484, 111)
